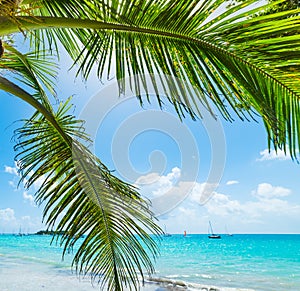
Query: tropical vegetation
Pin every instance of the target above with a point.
(241, 59)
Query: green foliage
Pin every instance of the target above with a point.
(37, 75)
(112, 215)
(238, 58)
(237, 55)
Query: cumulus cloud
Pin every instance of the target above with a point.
(202, 192)
(147, 179)
(267, 155)
(167, 182)
(11, 170)
(13, 184)
(7, 215)
(222, 205)
(36, 184)
(267, 199)
(29, 198)
(11, 223)
(166, 192)
(26, 218)
(186, 203)
(232, 182)
(187, 212)
(267, 191)
(154, 185)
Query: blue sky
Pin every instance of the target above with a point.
(170, 161)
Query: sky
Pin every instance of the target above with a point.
(193, 172)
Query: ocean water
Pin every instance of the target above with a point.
(239, 262)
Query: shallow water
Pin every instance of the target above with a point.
(257, 262)
(260, 262)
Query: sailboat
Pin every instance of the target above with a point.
(211, 233)
(166, 233)
(20, 232)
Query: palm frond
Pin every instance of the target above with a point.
(38, 75)
(110, 213)
(47, 39)
(241, 58)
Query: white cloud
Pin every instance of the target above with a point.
(189, 205)
(220, 204)
(29, 197)
(267, 155)
(30, 224)
(7, 215)
(11, 223)
(14, 171)
(165, 183)
(13, 184)
(187, 212)
(202, 192)
(167, 192)
(232, 182)
(153, 185)
(267, 191)
(147, 179)
(26, 218)
(38, 183)
(11, 170)
(268, 198)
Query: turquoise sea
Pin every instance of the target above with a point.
(239, 262)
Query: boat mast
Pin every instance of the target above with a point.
(211, 229)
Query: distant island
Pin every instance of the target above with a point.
(50, 232)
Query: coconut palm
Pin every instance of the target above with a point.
(238, 58)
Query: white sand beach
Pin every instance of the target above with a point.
(19, 275)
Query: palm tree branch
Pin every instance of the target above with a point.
(35, 73)
(48, 165)
(215, 46)
(10, 87)
(95, 202)
(40, 22)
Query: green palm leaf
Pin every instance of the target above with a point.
(81, 195)
(37, 75)
(112, 215)
(240, 58)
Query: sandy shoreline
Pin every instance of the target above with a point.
(27, 277)
(16, 274)
(35, 275)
